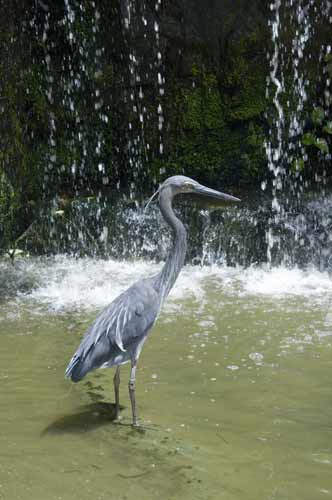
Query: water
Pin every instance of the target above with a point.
(233, 386)
(296, 42)
(111, 227)
(146, 81)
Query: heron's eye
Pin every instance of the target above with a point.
(188, 186)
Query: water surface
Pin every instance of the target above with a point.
(233, 387)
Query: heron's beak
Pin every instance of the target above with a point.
(213, 197)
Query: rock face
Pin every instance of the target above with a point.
(216, 68)
(213, 61)
(93, 93)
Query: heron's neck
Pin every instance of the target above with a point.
(175, 260)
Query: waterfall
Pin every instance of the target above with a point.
(293, 24)
(141, 26)
(98, 162)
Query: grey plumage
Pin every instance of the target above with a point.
(116, 334)
(119, 332)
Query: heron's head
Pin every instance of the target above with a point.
(182, 185)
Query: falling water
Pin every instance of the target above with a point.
(141, 27)
(287, 85)
(274, 153)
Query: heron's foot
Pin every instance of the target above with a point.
(117, 420)
(141, 427)
(138, 427)
(135, 422)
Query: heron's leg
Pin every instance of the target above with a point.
(132, 391)
(116, 381)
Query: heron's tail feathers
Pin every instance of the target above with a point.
(80, 364)
(76, 369)
(88, 357)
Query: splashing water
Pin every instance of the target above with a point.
(65, 283)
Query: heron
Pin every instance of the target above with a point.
(118, 334)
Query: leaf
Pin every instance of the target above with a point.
(298, 165)
(308, 139)
(318, 116)
(322, 145)
(328, 128)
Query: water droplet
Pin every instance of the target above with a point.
(233, 367)
(257, 357)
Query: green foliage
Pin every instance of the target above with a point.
(318, 140)
(202, 102)
(216, 130)
(308, 139)
(328, 128)
(8, 206)
(243, 80)
(328, 61)
(321, 127)
(213, 107)
(298, 165)
(322, 145)
(318, 116)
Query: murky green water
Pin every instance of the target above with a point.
(234, 387)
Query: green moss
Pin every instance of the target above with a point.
(202, 102)
(215, 120)
(318, 116)
(243, 80)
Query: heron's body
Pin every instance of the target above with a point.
(119, 332)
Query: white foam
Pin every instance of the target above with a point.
(282, 282)
(86, 283)
(67, 283)
(261, 281)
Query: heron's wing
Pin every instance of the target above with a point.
(118, 328)
(129, 316)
